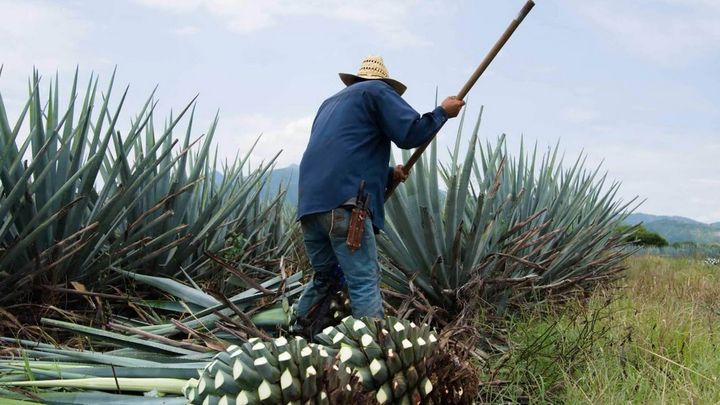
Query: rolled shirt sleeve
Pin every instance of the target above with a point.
(405, 127)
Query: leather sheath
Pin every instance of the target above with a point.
(356, 228)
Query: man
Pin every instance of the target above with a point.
(350, 143)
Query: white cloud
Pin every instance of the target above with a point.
(43, 35)
(175, 5)
(712, 4)
(578, 114)
(185, 31)
(40, 33)
(384, 18)
(238, 133)
(670, 32)
(710, 218)
(676, 180)
(541, 69)
(706, 182)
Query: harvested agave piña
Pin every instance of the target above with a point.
(382, 359)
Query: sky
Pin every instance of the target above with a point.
(633, 84)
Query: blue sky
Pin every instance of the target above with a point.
(633, 83)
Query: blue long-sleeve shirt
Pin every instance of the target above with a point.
(350, 142)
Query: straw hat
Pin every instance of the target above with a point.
(373, 68)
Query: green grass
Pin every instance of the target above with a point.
(655, 340)
(668, 329)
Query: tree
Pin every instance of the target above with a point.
(643, 237)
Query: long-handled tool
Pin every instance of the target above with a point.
(470, 83)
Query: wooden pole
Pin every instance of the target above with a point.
(470, 83)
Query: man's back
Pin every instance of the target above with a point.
(350, 142)
(346, 146)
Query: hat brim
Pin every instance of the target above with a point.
(349, 79)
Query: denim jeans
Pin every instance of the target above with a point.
(325, 236)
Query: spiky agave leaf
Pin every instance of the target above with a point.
(91, 198)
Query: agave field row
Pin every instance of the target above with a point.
(90, 199)
(508, 230)
(192, 273)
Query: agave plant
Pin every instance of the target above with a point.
(510, 230)
(267, 234)
(382, 361)
(90, 199)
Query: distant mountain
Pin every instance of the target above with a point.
(678, 229)
(288, 178)
(648, 218)
(218, 178)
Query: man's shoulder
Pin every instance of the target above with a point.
(358, 93)
(371, 86)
